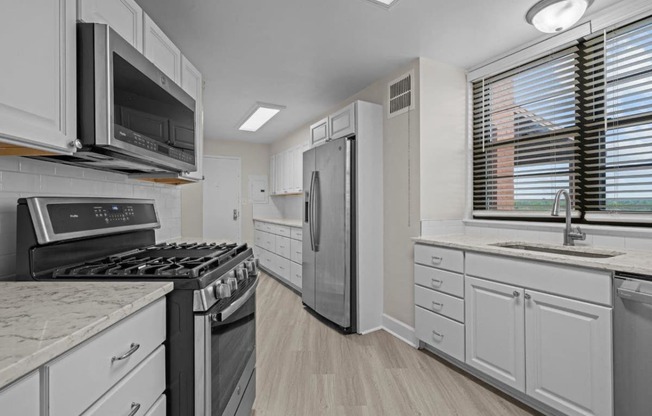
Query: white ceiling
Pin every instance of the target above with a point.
(309, 55)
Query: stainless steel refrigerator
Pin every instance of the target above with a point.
(329, 242)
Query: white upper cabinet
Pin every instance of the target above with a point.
(319, 132)
(38, 97)
(342, 123)
(495, 331)
(123, 16)
(192, 83)
(159, 49)
(569, 354)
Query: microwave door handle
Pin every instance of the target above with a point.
(237, 304)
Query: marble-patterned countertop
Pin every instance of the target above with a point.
(41, 320)
(625, 261)
(281, 221)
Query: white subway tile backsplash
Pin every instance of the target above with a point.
(22, 177)
(20, 182)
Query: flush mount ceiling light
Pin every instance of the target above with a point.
(552, 16)
(384, 3)
(259, 115)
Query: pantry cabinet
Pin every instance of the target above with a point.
(495, 331)
(38, 110)
(159, 49)
(123, 16)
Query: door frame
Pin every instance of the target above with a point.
(239, 159)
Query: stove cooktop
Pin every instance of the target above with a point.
(160, 261)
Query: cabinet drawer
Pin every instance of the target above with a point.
(296, 251)
(283, 246)
(440, 303)
(281, 230)
(296, 233)
(296, 274)
(440, 280)
(158, 408)
(82, 376)
(441, 258)
(269, 241)
(258, 238)
(140, 388)
(267, 227)
(441, 333)
(282, 267)
(21, 398)
(266, 260)
(260, 226)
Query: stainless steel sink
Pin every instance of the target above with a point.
(566, 251)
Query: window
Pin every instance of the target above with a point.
(578, 119)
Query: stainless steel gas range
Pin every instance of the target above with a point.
(211, 313)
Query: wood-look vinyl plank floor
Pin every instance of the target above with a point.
(305, 367)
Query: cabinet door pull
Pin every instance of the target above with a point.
(437, 260)
(132, 349)
(135, 407)
(527, 296)
(437, 306)
(437, 334)
(516, 294)
(436, 282)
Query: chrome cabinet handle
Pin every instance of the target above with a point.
(517, 294)
(437, 334)
(437, 305)
(132, 349)
(437, 260)
(436, 282)
(238, 390)
(527, 296)
(135, 407)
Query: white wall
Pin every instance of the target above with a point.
(254, 161)
(22, 177)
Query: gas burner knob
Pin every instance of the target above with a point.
(241, 273)
(231, 274)
(222, 291)
(252, 266)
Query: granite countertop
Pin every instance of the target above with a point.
(41, 320)
(281, 221)
(632, 261)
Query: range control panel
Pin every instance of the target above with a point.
(75, 217)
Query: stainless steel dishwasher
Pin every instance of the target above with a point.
(632, 344)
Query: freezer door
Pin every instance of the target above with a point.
(331, 235)
(308, 256)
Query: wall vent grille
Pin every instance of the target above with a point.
(401, 98)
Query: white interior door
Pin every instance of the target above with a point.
(222, 185)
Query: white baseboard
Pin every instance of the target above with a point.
(369, 331)
(400, 330)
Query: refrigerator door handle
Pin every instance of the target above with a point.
(316, 215)
(311, 204)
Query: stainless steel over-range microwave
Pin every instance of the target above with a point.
(131, 117)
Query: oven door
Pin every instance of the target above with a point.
(225, 359)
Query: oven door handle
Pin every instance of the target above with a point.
(233, 308)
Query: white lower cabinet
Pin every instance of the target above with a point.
(137, 392)
(22, 398)
(495, 331)
(568, 354)
(88, 372)
(158, 408)
(442, 333)
(279, 251)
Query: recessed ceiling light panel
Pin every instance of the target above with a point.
(553, 16)
(259, 115)
(384, 3)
